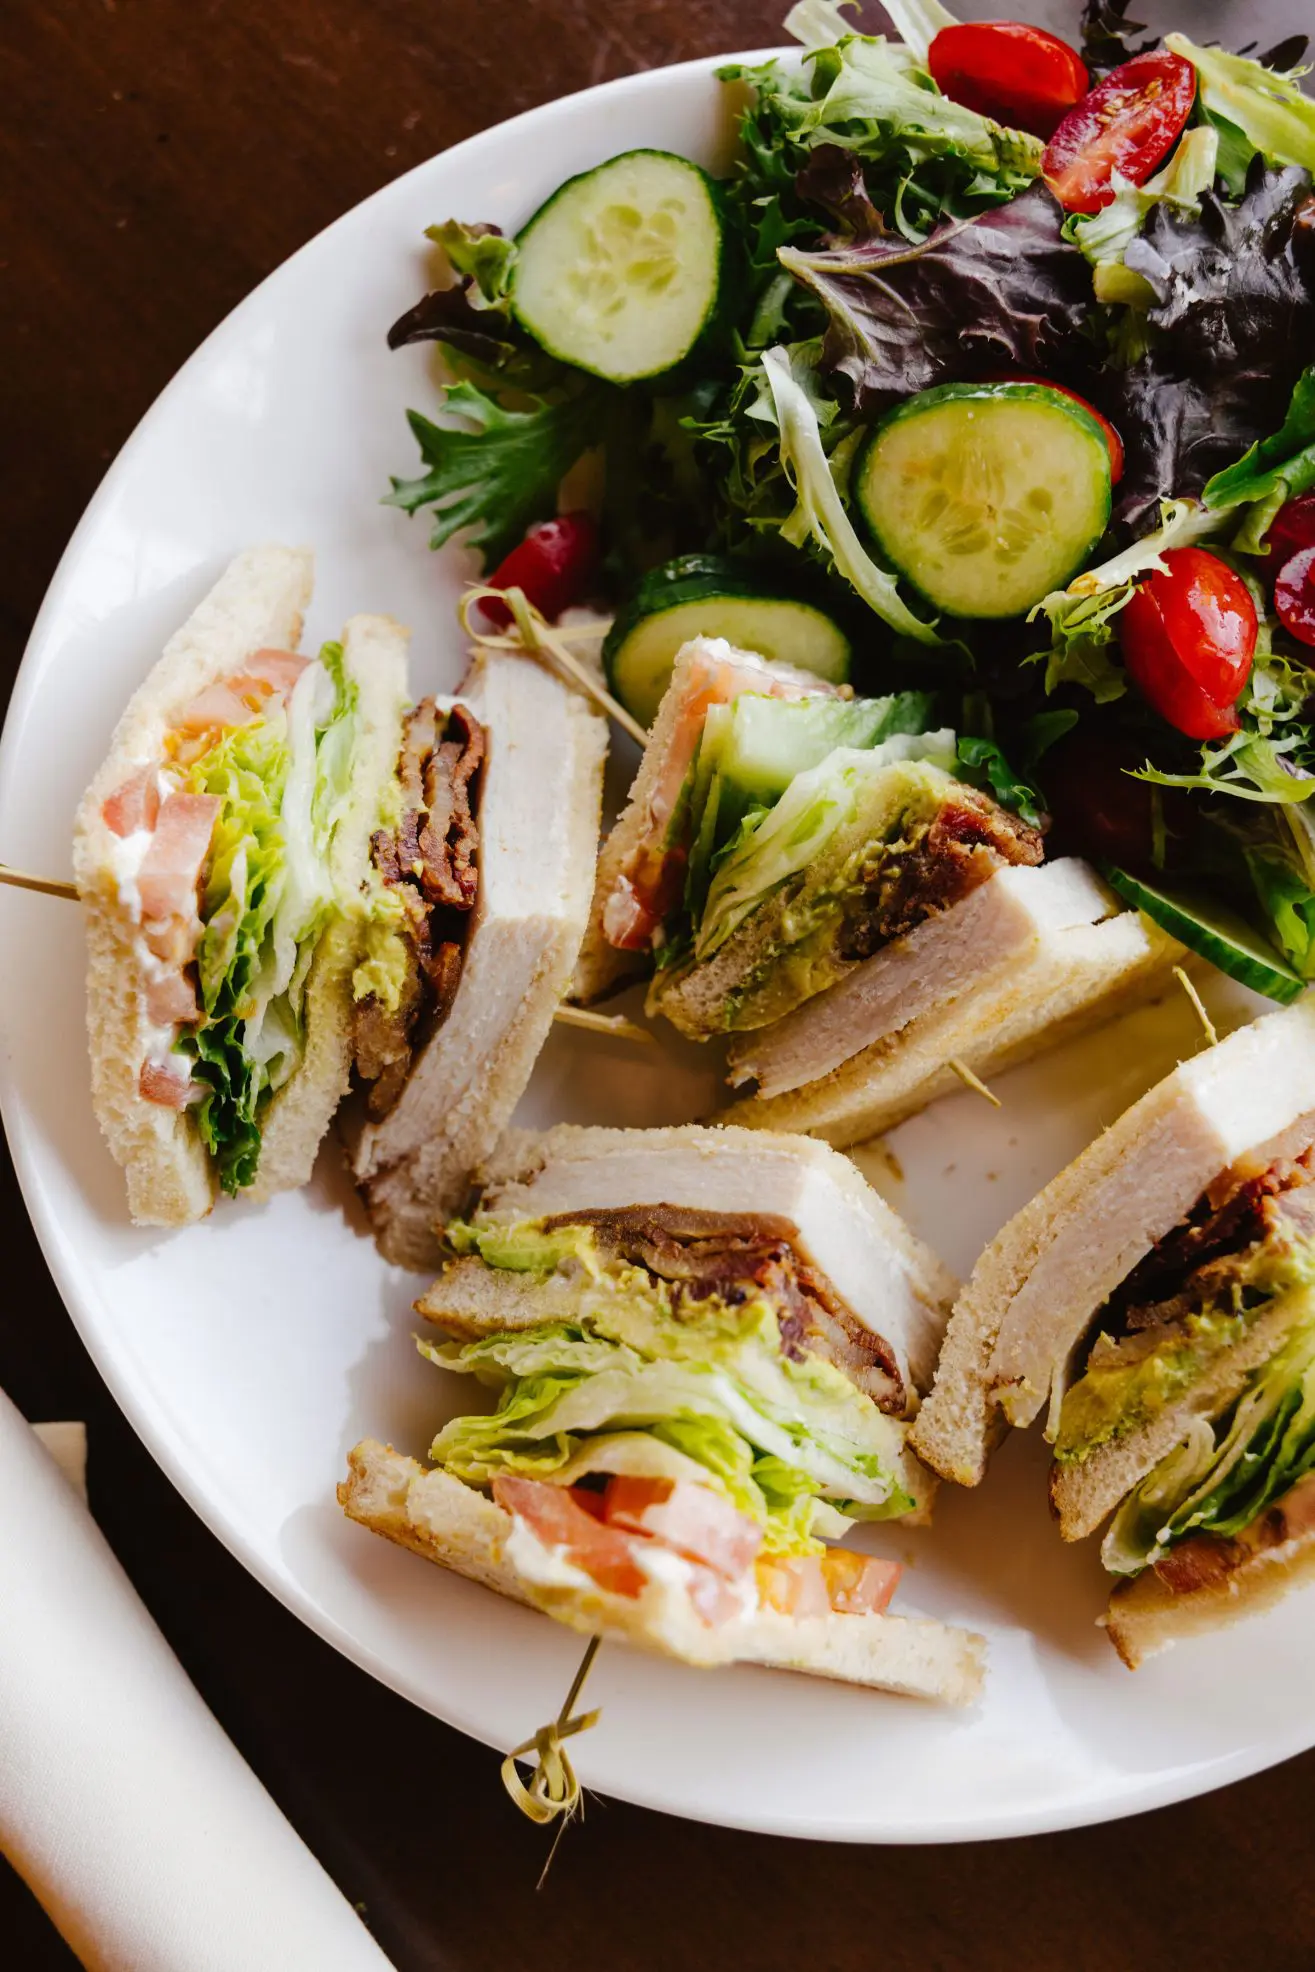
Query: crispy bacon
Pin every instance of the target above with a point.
(135, 805)
(160, 1083)
(738, 1254)
(170, 874)
(970, 838)
(431, 863)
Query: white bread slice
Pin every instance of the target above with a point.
(1074, 979)
(602, 968)
(893, 1283)
(539, 809)
(374, 657)
(1083, 1493)
(997, 925)
(1035, 1290)
(437, 1516)
(1147, 1616)
(258, 601)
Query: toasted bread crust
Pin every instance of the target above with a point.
(436, 1515)
(1146, 1616)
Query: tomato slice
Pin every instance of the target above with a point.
(1292, 529)
(1128, 124)
(1189, 637)
(554, 565)
(557, 1519)
(1294, 596)
(1008, 71)
(1112, 439)
(684, 1516)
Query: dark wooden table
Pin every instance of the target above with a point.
(158, 160)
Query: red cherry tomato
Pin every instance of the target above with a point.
(554, 565)
(1128, 123)
(1008, 71)
(1189, 636)
(1112, 438)
(1292, 529)
(1294, 596)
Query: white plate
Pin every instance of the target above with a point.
(252, 1351)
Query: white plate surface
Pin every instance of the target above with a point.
(252, 1351)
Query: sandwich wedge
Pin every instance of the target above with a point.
(220, 852)
(480, 879)
(1157, 1303)
(811, 877)
(705, 1346)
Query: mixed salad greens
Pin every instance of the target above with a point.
(987, 375)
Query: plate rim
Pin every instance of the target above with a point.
(150, 1423)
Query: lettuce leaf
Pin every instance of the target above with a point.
(1271, 110)
(497, 471)
(1278, 468)
(283, 783)
(819, 511)
(1003, 289)
(1219, 1479)
(1104, 237)
(563, 1384)
(848, 806)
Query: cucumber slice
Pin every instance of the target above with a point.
(702, 595)
(986, 496)
(1216, 933)
(620, 273)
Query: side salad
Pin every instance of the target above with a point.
(986, 374)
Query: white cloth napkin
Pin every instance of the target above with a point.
(145, 1835)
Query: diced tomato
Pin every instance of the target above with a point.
(554, 565)
(1112, 439)
(218, 708)
(1127, 124)
(590, 1501)
(170, 999)
(171, 870)
(648, 887)
(690, 1518)
(279, 669)
(169, 1087)
(1189, 636)
(1009, 71)
(135, 805)
(1294, 596)
(561, 1524)
(859, 1584)
(793, 1587)
(1292, 529)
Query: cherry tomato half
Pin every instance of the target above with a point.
(1294, 596)
(1112, 438)
(554, 565)
(1009, 71)
(1128, 123)
(1292, 529)
(1189, 635)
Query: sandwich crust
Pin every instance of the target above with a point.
(1146, 1616)
(258, 601)
(437, 1516)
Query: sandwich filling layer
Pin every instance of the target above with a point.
(679, 1352)
(1241, 1483)
(424, 884)
(1248, 1243)
(223, 865)
(796, 836)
